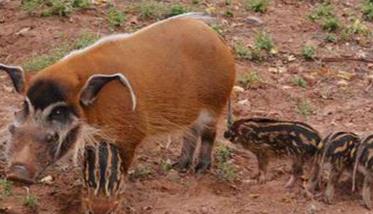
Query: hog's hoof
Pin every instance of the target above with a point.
(328, 199)
(202, 167)
(368, 204)
(182, 165)
(290, 183)
(261, 179)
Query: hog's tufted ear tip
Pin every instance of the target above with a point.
(17, 75)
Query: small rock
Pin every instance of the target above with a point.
(291, 58)
(311, 209)
(243, 102)
(147, 208)
(8, 89)
(204, 210)
(254, 196)
(370, 65)
(272, 70)
(238, 89)
(286, 87)
(23, 31)
(252, 20)
(47, 180)
(342, 83)
(345, 75)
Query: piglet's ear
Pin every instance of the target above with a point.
(17, 75)
(96, 82)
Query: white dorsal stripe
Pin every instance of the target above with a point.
(116, 37)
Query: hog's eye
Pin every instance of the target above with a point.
(60, 113)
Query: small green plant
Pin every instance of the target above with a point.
(299, 81)
(30, 201)
(228, 2)
(166, 165)
(196, 1)
(54, 7)
(177, 9)
(31, 5)
(304, 108)
(229, 13)
(115, 17)
(225, 169)
(330, 23)
(227, 172)
(332, 38)
(367, 10)
(242, 51)
(356, 28)
(141, 172)
(5, 188)
(42, 61)
(309, 52)
(218, 29)
(263, 41)
(81, 3)
(321, 11)
(152, 9)
(58, 7)
(257, 5)
(223, 153)
(84, 40)
(249, 79)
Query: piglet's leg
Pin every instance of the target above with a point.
(314, 176)
(333, 180)
(297, 171)
(366, 191)
(263, 165)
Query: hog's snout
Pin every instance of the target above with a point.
(20, 173)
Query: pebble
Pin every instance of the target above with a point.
(252, 20)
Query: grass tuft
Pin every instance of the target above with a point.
(309, 52)
(177, 9)
(304, 108)
(31, 201)
(321, 11)
(115, 17)
(299, 81)
(225, 169)
(260, 6)
(40, 62)
(263, 41)
(367, 10)
(54, 7)
(5, 188)
(152, 9)
(249, 79)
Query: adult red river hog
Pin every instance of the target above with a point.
(174, 74)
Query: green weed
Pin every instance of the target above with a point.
(115, 17)
(257, 5)
(309, 52)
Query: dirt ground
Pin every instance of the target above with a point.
(336, 96)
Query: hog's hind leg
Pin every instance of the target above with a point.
(190, 138)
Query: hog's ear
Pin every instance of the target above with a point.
(17, 75)
(96, 82)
